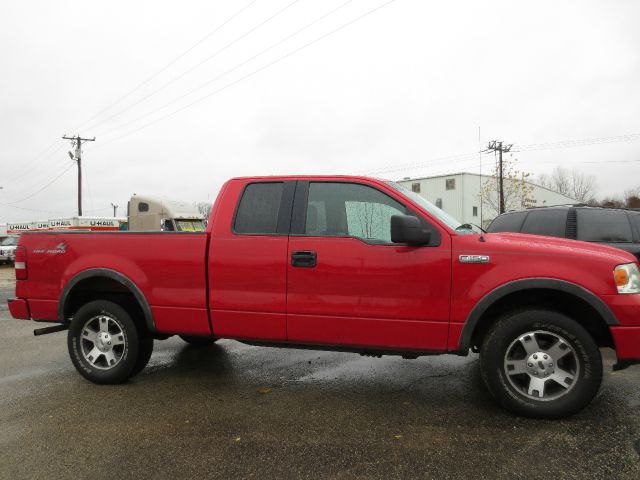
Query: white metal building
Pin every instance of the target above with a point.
(458, 194)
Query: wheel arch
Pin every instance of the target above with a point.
(98, 283)
(559, 295)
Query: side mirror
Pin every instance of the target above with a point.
(166, 225)
(408, 229)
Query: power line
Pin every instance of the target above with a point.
(28, 166)
(57, 212)
(210, 57)
(172, 62)
(226, 72)
(423, 163)
(254, 72)
(41, 189)
(32, 163)
(579, 143)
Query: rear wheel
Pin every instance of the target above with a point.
(540, 363)
(104, 343)
(198, 341)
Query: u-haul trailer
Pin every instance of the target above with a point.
(93, 224)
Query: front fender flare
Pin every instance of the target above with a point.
(529, 284)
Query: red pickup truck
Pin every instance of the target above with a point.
(346, 264)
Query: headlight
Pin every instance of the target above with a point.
(627, 278)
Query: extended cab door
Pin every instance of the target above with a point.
(349, 285)
(247, 260)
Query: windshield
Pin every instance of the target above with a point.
(10, 241)
(190, 225)
(440, 214)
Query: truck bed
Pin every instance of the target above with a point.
(168, 268)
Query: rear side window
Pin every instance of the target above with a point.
(511, 222)
(636, 221)
(552, 223)
(258, 209)
(596, 225)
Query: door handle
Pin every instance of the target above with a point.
(304, 259)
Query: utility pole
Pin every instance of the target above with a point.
(498, 146)
(77, 141)
(115, 209)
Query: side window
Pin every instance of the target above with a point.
(552, 222)
(601, 225)
(636, 221)
(258, 209)
(350, 210)
(509, 222)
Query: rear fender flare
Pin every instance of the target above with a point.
(113, 275)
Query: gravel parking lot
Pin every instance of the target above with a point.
(234, 411)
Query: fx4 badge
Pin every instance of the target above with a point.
(474, 258)
(60, 248)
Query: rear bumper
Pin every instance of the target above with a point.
(19, 308)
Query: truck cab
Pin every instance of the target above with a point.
(150, 213)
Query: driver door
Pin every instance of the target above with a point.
(347, 284)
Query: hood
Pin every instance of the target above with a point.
(537, 244)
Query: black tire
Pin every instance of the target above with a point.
(567, 384)
(198, 341)
(82, 340)
(145, 351)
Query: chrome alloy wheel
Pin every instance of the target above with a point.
(541, 365)
(103, 343)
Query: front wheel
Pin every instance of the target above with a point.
(104, 343)
(540, 363)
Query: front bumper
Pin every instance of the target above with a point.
(627, 342)
(19, 308)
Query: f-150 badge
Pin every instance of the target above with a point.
(474, 258)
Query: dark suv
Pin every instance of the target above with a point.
(611, 226)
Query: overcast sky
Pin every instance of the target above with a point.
(395, 92)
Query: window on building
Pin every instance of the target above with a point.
(258, 209)
(143, 207)
(596, 225)
(450, 183)
(475, 211)
(350, 210)
(439, 203)
(415, 187)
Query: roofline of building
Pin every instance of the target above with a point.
(493, 176)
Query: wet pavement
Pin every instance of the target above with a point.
(235, 411)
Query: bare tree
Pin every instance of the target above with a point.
(629, 199)
(572, 183)
(516, 188)
(611, 202)
(632, 198)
